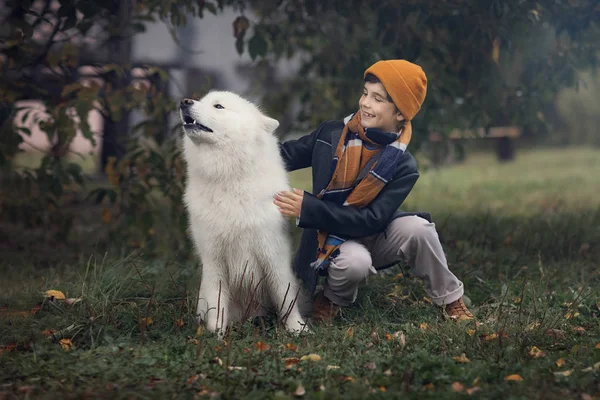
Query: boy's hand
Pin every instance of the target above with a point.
(289, 203)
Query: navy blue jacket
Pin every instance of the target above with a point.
(316, 150)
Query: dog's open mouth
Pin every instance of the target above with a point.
(189, 122)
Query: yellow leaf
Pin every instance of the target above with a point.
(579, 330)
(471, 332)
(560, 362)
(55, 295)
(476, 381)
(496, 50)
(66, 344)
(48, 332)
(597, 345)
(398, 276)
(311, 357)
(332, 367)
(382, 389)
(179, 322)
(493, 336)
(461, 359)
(423, 326)
(513, 377)
(260, 346)
(146, 321)
(570, 315)
(429, 386)
(199, 331)
(532, 326)
(458, 387)
(192, 341)
(388, 372)
(535, 352)
(348, 379)
(564, 373)
(594, 367)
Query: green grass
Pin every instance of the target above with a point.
(524, 237)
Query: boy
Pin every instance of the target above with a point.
(361, 175)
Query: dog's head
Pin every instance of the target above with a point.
(222, 118)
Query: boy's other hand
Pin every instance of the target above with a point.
(289, 203)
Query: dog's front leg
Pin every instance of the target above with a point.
(213, 301)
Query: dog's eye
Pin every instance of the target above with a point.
(220, 107)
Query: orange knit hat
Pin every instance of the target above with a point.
(404, 81)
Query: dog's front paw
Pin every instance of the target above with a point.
(297, 327)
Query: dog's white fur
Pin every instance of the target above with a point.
(240, 236)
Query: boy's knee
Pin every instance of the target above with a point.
(354, 266)
(415, 229)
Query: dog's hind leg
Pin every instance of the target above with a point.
(213, 301)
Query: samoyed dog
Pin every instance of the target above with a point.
(234, 169)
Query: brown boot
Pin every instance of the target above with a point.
(458, 311)
(323, 309)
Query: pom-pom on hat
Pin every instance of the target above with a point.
(404, 81)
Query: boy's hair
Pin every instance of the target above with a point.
(370, 78)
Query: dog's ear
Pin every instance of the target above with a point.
(270, 123)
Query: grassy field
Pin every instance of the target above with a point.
(524, 237)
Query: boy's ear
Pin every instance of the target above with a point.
(270, 123)
(400, 117)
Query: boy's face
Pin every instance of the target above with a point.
(376, 111)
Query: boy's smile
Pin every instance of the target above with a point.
(376, 111)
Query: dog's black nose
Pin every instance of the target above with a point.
(186, 103)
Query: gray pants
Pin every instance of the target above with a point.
(411, 239)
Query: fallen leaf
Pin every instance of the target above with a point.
(579, 330)
(535, 352)
(396, 336)
(594, 367)
(382, 389)
(192, 341)
(349, 333)
(199, 331)
(300, 391)
(347, 379)
(571, 315)
(388, 372)
(179, 322)
(217, 361)
(458, 387)
(260, 346)
(48, 332)
(473, 390)
(290, 362)
(564, 373)
(332, 367)
(427, 300)
(429, 386)
(291, 347)
(398, 276)
(461, 359)
(513, 377)
(311, 357)
(532, 326)
(55, 295)
(517, 300)
(560, 362)
(7, 348)
(597, 345)
(66, 344)
(556, 333)
(370, 365)
(235, 368)
(471, 332)
(476, 381)
(146, 321)
(423, 326)
(490, 337)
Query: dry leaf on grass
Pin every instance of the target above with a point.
(217, 361)
(179, 322)
(290, 347)
(290, 362)
(7, 348)
(347, 379)
(260, 346)
(146, 321)
(471, 332)
(597, 345)
(300, 391)
(535, 352)
(48, 332)
(349, 333)
(513, 378)
(332, 367)
(473, 390)
(429, 386)
(458, 387)
(594, 367)
(560, 362)
(462, 358)
(311, 357)
(370, 365)
(66, 344)
(54, 295)
(579, 330)
(423, 326)
(382, 389)
(388, 372)
(564, 373)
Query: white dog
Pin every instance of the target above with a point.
(234, 169)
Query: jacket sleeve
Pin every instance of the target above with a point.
(297, 153)
(354, 222)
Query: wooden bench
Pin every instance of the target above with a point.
(504, 137)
